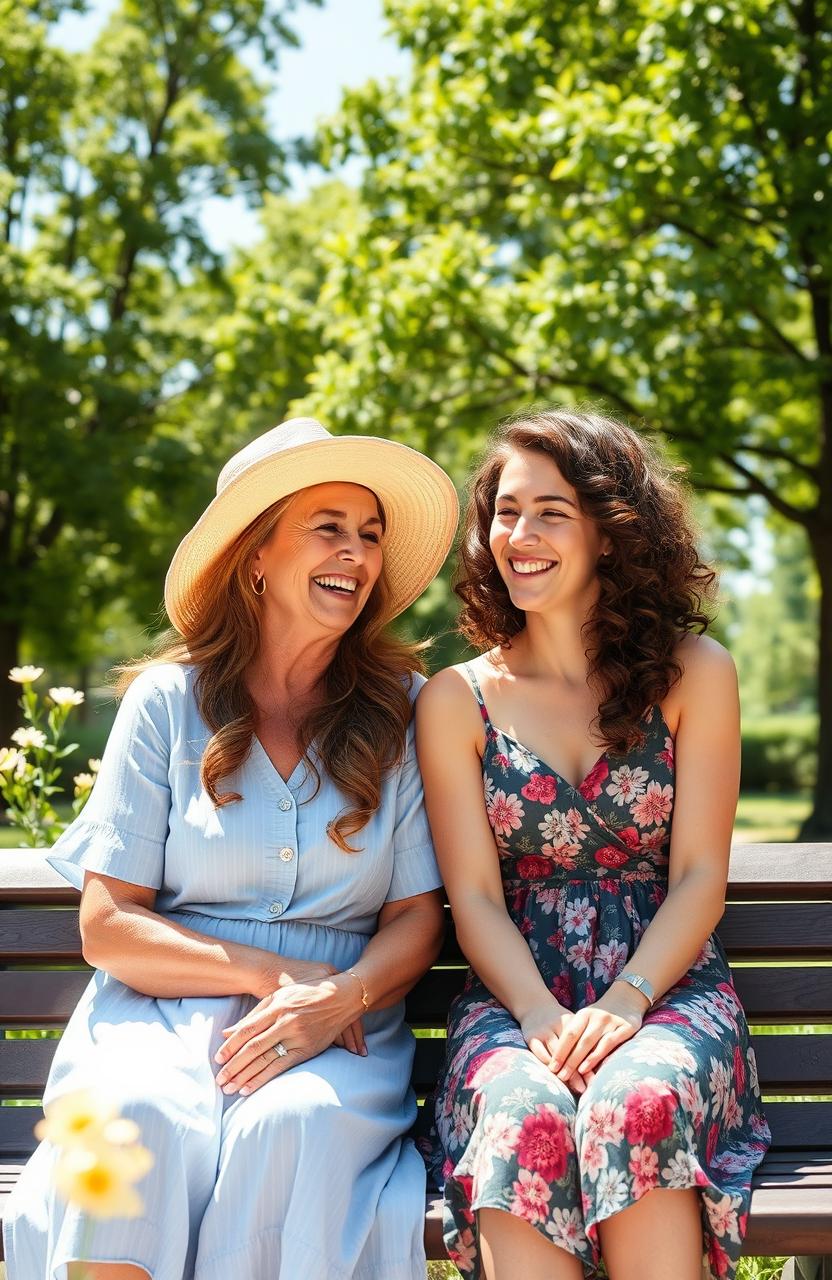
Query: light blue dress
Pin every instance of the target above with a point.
(311, 1177)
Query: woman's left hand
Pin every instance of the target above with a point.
(593, 1032)
(305, 1018)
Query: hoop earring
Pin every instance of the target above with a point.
(261, 583)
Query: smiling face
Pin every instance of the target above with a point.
(545, 548)
(323, 557)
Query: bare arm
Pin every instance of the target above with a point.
(404, 948)
(448, 727)
(707, 784)
(122, 934)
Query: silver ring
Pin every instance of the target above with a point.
(280, 1049)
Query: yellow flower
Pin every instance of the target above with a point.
(83, 782)
(9, 759)
(66, 697)
(26, 737)
(98, 1182)
(76, 1119)
(25, 675)
(93, 765)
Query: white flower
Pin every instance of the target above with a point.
(567, 1230)
(9, 759)
(25, 675)
(64, 696)
(93, 765)
(627, 784)
(522, 759)
(611, 1192)
(29, 738)
(680, 1172)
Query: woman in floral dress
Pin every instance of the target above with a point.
(599, 1104)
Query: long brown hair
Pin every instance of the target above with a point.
(653, 584)
(359, 728)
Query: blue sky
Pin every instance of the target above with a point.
(343, 44)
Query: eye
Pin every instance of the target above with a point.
(328, 528)
(506, 514)
(372, 537)
(554, 513)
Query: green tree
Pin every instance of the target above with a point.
(621, 201)
(109, 289)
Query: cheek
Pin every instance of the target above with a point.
(497, 535)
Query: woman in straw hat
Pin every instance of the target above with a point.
(260, 889)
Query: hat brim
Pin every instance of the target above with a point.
(419, 500)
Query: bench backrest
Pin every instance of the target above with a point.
(777, 930)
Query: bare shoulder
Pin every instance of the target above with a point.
(447, 701)
(708, 671)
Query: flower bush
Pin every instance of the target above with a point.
(30, 768)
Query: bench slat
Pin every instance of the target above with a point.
(29, 935)
(768, 995)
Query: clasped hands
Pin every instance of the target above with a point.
(311, 1009)
(573, 1045)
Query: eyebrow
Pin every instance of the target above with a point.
(342, 515)
(546, 497)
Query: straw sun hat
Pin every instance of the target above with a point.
(419, 500)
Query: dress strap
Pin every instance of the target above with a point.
(477, 691)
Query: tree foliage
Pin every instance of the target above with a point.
(627, 202)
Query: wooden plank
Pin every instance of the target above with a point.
(799, 1124)
(26, 876)
(44, 999)
(767, 995)
(753, 930)
(24, 1066)
(17, 1131)
(32, 936)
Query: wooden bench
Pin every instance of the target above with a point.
(779, 910)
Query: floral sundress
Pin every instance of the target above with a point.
(584, 871)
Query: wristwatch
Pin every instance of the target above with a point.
(640, 984)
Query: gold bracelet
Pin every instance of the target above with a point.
(365, 999)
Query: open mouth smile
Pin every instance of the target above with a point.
(337, 585)
(532, 568)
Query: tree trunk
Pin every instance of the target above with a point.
(10, 716)
(818, 825)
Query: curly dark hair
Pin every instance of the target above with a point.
(653, 584)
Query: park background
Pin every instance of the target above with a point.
(411, 219)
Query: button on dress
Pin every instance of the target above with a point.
(584, 871)
(312, 1175)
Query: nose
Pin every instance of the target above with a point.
(523, 532)
(352, 549)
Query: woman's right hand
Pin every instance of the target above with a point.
(280, 971)
(542, 1026)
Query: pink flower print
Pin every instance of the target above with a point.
(563, 855)
(531, 1196)
(733, 1111)
(723, 1217)
(500, 760)
(605, 1122)
(561, 989)
(533, 867)
(464, 1252)
(690, 1096)
(593, 783)
(500, 1132)
(717, 1257)
(594, 1157)
(540, 787)
(488, 1066)
(627, 784)
(575, 825)
(505, 813)
(654, 806)
(611, 857)
(545, 1142)
(653, 839)
(556, 940)
(579, 915)
(580, 954)
(610, 959)
(630, 837)
(644, 1166)
(648, 1112)
(667, 755)
(567, 1229)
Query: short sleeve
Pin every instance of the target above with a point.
(414, 861)
(123, 827)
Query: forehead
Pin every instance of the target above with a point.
(339, 495)
(527, 470)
